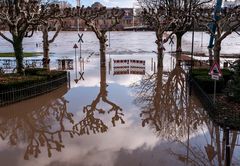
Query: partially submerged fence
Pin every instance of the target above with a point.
(220, 115)
(12, 95)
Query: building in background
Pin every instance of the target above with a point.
(128, 20)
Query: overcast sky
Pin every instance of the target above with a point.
(108, 3)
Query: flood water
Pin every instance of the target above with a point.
(129, 113)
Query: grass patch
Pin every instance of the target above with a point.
(25, 54)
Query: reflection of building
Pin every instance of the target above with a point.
(122, 67)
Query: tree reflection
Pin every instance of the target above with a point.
(165, 105)
(213, 151)
(91, 122)
(37, 128)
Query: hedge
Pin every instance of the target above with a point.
(203, 78)
(32, 76)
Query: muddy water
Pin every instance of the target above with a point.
(127, 113)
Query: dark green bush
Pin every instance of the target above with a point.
(202, 72)
(51, 74)
(33, 71)
(207, 84)
(233, 87)
(32, 76)
(17, 82)
(227, 75)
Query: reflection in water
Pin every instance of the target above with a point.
(165, 105)
(37, 122)
(173, 115)
(213, 151)
(42, 123)
(91, 122)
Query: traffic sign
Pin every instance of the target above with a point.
(80, 38)
(215, 77)
(215, 70)
(171, 40)
(75, 46)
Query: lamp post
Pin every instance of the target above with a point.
(190, 79)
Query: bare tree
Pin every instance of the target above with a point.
(54, 22)
(46, 41)
(22, 17)
(156, 15)
(91, 16)
(183, 12)
(227, 22)
(170, 15)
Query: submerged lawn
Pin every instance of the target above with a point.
(25, 54)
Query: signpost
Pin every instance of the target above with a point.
(75, 47)
(171, 42)
(215, 73)
(80, 41)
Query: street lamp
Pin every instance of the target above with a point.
(191, 68)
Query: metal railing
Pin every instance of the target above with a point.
(12, 95)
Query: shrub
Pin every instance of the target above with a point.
(33, 71)
(207, 84)
(202, 75)
(233, 87)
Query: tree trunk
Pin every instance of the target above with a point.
(45, 47)
(160, 48)
(102, 42)
(210, 56)
(179, 42)
(18, 50)
(217, 49)
(103, 82)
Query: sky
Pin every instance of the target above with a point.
(108, 3)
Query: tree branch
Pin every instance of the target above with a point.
(6, 38)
